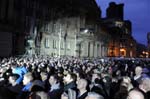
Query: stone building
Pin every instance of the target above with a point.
(122, 44)
(52, 27)
(75, 32)
(148, 44)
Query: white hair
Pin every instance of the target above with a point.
(93, 95)
(145, 83)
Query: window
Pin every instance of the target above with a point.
(54, 27)
(46, 27)
(54, 44)
(47, 43)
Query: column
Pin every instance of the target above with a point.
(100, 49)
(88, 49)
(93, 48)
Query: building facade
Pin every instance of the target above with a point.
(72, 38)
(52, 27)
(72, 31)
(64, 28)
(148, 44)
(11, 28)
(122, 44)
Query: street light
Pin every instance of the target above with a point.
(86, 30)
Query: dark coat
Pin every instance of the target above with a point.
(55, 94)
(83, 96)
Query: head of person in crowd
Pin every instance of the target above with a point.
(44, 76)
(54, 82)
(39, 95)
(69, 77)
(127, 82)
(79, 74)
(93, 95)
(2, 71)
(118, 73)
(53, 79)
(12, 79)
(145, 85)
(19, 62)
(135, 94)
(95, 76)
(83, 68)
(126, 79)
(27, 81)
(28, 77)
(48, 69)
(138, 70)
(82, 85)
(122, 93)
(13, 67)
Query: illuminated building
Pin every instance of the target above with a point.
(53, 27)
(122, 44)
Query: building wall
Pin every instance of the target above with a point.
(74, 44)
(115, 11)
(5, 44)
(45, 20)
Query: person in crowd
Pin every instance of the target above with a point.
(27, 82)
(70, 87)
(106, 82)
(10, 90)
(3, 76)
(122, 93)
(127, 82)
(44, 77)
(114, 87)
(138, 76)
(55, 89)
(14, 87)
(93, 95)
(96, 85)
(82, 87)
(135, 94)
(39, 95)
(37, 85)
(20, 70)
(110, 85)
(144, 87)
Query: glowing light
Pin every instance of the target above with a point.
(86, 30)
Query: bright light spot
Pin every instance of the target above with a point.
(86, 30)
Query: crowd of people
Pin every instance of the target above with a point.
(74, 78)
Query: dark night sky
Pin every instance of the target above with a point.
(138, 12)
